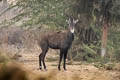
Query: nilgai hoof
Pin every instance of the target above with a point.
(46, 69)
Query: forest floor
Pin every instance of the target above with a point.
(75, 71)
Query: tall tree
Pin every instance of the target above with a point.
(105, 8)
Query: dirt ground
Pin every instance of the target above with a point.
(76, 71)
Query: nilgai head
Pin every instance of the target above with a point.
(71, 23)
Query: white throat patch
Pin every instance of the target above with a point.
(72, 30)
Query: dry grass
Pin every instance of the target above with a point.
(3, 57)
(48, 76)
(76, 71)
(13, 71)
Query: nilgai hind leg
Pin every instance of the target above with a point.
(42, 57)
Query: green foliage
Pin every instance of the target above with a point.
(39, 12)
(89, 49)
(115, 11)
(113, 43)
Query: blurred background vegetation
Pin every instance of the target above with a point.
(91, 34)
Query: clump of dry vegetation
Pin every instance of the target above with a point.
(7, 56)
(3, 57)
(117, 67)
(49, 76)
(108, 66)
(12, 72)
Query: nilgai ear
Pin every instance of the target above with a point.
(75, 21)
(68, 21)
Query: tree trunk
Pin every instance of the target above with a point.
(104, 39)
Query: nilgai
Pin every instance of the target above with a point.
(57, 40)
